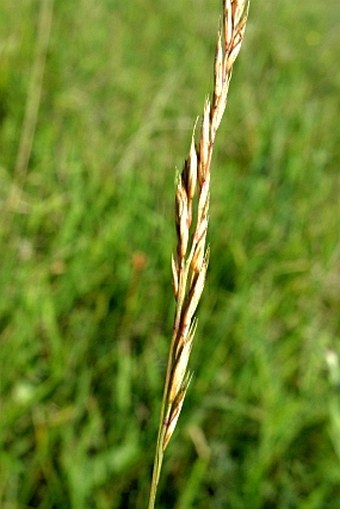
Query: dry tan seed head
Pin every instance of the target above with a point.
(189, 266)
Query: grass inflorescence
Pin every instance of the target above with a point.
(189, 265)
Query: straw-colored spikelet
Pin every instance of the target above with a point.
(189, 265)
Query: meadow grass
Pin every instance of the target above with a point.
(86, 306)
(190, 262)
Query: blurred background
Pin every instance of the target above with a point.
(97, 104)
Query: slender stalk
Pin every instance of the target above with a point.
(189, 265)
(32, 102)
(35, 89)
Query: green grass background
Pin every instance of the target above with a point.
(86, 235)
